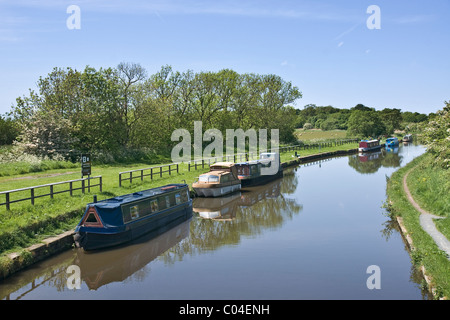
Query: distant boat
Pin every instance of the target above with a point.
(408, 138)
(369, 145)
(263, 170)
(222, 179)
(392, 142)
(121, 219)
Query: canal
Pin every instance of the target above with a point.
(313, 234)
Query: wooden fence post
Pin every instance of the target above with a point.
(7, 201)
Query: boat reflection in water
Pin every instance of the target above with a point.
(224, 208)
(371, 162)
(117, 264)
(369, 156)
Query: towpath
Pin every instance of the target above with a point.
(426, 221)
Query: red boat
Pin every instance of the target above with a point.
(369, 145)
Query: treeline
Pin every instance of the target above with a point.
(123, 110)
(436, 135)
(358, 121)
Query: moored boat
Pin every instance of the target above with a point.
(369, 145)
(392, 142)
(121, 219)
(222, 179)
(265, 169)
(408, 138)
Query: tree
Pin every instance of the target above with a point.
(391, 119)
(365, 124)
(8, 130)
(437, 136)
(129, 75)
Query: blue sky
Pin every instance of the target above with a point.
(323, 47)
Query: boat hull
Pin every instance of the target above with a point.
(369, 149)
(217, 191)
(91, 239)
(261, 179)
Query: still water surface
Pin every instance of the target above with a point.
(310, 235)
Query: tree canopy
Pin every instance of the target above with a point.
(113, 109)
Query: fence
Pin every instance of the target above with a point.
(52, 192)
(152, 172)
(237, 157)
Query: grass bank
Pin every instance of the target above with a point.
(430, 188)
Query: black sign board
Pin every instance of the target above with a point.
(85, 164)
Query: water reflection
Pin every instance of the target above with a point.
(371, 162)
(100, 268)
(247, 213)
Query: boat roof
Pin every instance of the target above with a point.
(119, 200)
(223, 164)
(369, 140)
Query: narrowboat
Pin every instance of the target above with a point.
(124, 218)
(408, 138)
(392, 142)
(265, 169)
(369, 145)
(222, 179)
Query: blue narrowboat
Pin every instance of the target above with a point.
(392, 142)
(261, 171)
(121, 219)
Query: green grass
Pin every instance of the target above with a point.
(318, 134)
(430, 187)
(426, 252)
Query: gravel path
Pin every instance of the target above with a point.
(426, 221)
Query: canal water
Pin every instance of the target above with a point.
(317, 233)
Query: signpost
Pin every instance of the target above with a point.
(85, 164)
(86, 168)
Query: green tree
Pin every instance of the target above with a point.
(391, 119)
(365, 124)
(437, 136)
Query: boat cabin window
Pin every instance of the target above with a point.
(185, 195)
(134, 212)
(225, 178)
(151, 206)
(154, 205)
(91, 218)
(208, 178)
(177, 198)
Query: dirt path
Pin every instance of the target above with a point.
(426, 221)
